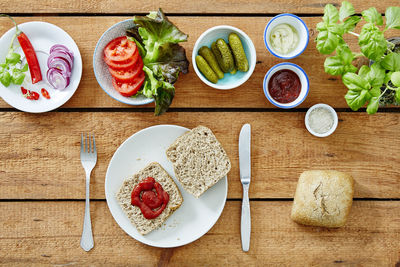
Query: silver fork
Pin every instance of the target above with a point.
(88, 160)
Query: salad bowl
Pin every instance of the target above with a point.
(100, 68)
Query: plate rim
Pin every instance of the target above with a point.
(78, 56)
(149, 101)
(153, 243)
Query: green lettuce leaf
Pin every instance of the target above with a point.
(162, 91)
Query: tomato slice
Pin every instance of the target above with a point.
(123, 66)
(129, 89)
(127, 76)
(120, 50)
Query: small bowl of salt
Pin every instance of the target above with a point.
(321, 120)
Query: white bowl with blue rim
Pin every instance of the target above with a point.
(100, 68)
(298, 24)
(211, 35)
(305, 84)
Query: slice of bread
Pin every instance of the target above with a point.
(143, 225)
(199, 160)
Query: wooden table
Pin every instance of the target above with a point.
(42, 181)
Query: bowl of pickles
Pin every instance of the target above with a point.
(224, 57)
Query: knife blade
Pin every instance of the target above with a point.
(245, 175)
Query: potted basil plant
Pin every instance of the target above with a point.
(373, 85)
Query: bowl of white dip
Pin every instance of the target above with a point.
(286, 36)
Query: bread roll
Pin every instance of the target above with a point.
(323, 198)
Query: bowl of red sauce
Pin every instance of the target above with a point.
(286, 85)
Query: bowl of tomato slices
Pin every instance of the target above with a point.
(118, 66)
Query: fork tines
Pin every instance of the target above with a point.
(88, 143)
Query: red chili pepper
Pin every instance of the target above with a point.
(31, 95)
(31, 58)
(45, 93)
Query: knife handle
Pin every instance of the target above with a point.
(245, 224)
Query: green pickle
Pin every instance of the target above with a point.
(208, 55)
(223, 55)
(238, 52)
(206, 69)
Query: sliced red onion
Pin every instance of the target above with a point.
(56, 79)
(62, 54)
(60, 47)
(61, 64)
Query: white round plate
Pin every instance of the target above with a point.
(42, 35)
(100, 68)
(195, 216)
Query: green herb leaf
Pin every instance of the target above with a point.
(396, 79)
(372, 42)
(372, 15)
(17, 76)
(346, 10)
(364, 70)
(327, 42)
(334, 65)
(373, 105)
(376, 75)
(355, 82)
(25, 68)
(397, 96)
(356, 99)
(5, 78)
(388, 76)
(12, 58)
(3, 67)
(391, 62)
(350, 23)
(341, 63)
(331, 14)
(393, 17)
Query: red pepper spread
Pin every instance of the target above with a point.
(150, 197)
(284, 86)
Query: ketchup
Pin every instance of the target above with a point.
(284, 86)
(150, 197)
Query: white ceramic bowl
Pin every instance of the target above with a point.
(298, 24)
(211, 35)
(100, 68)
(305, 85)
(335, 120)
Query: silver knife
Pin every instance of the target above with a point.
(245, 175)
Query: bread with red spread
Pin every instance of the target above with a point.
(143, 225)
(199, 160)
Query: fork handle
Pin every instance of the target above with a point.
(87, 242)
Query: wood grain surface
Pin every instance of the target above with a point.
(37, 233)
(183, 7)
(40, 161)
(190, 91)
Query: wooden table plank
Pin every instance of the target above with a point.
(49, 233)
(176, 6)
(39, 154)
(190, 91)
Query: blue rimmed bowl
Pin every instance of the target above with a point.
(305, 84)
(211, 35)
(294, 21)
(100, 68)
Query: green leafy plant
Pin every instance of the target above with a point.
(12, 70)
(370, 84)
